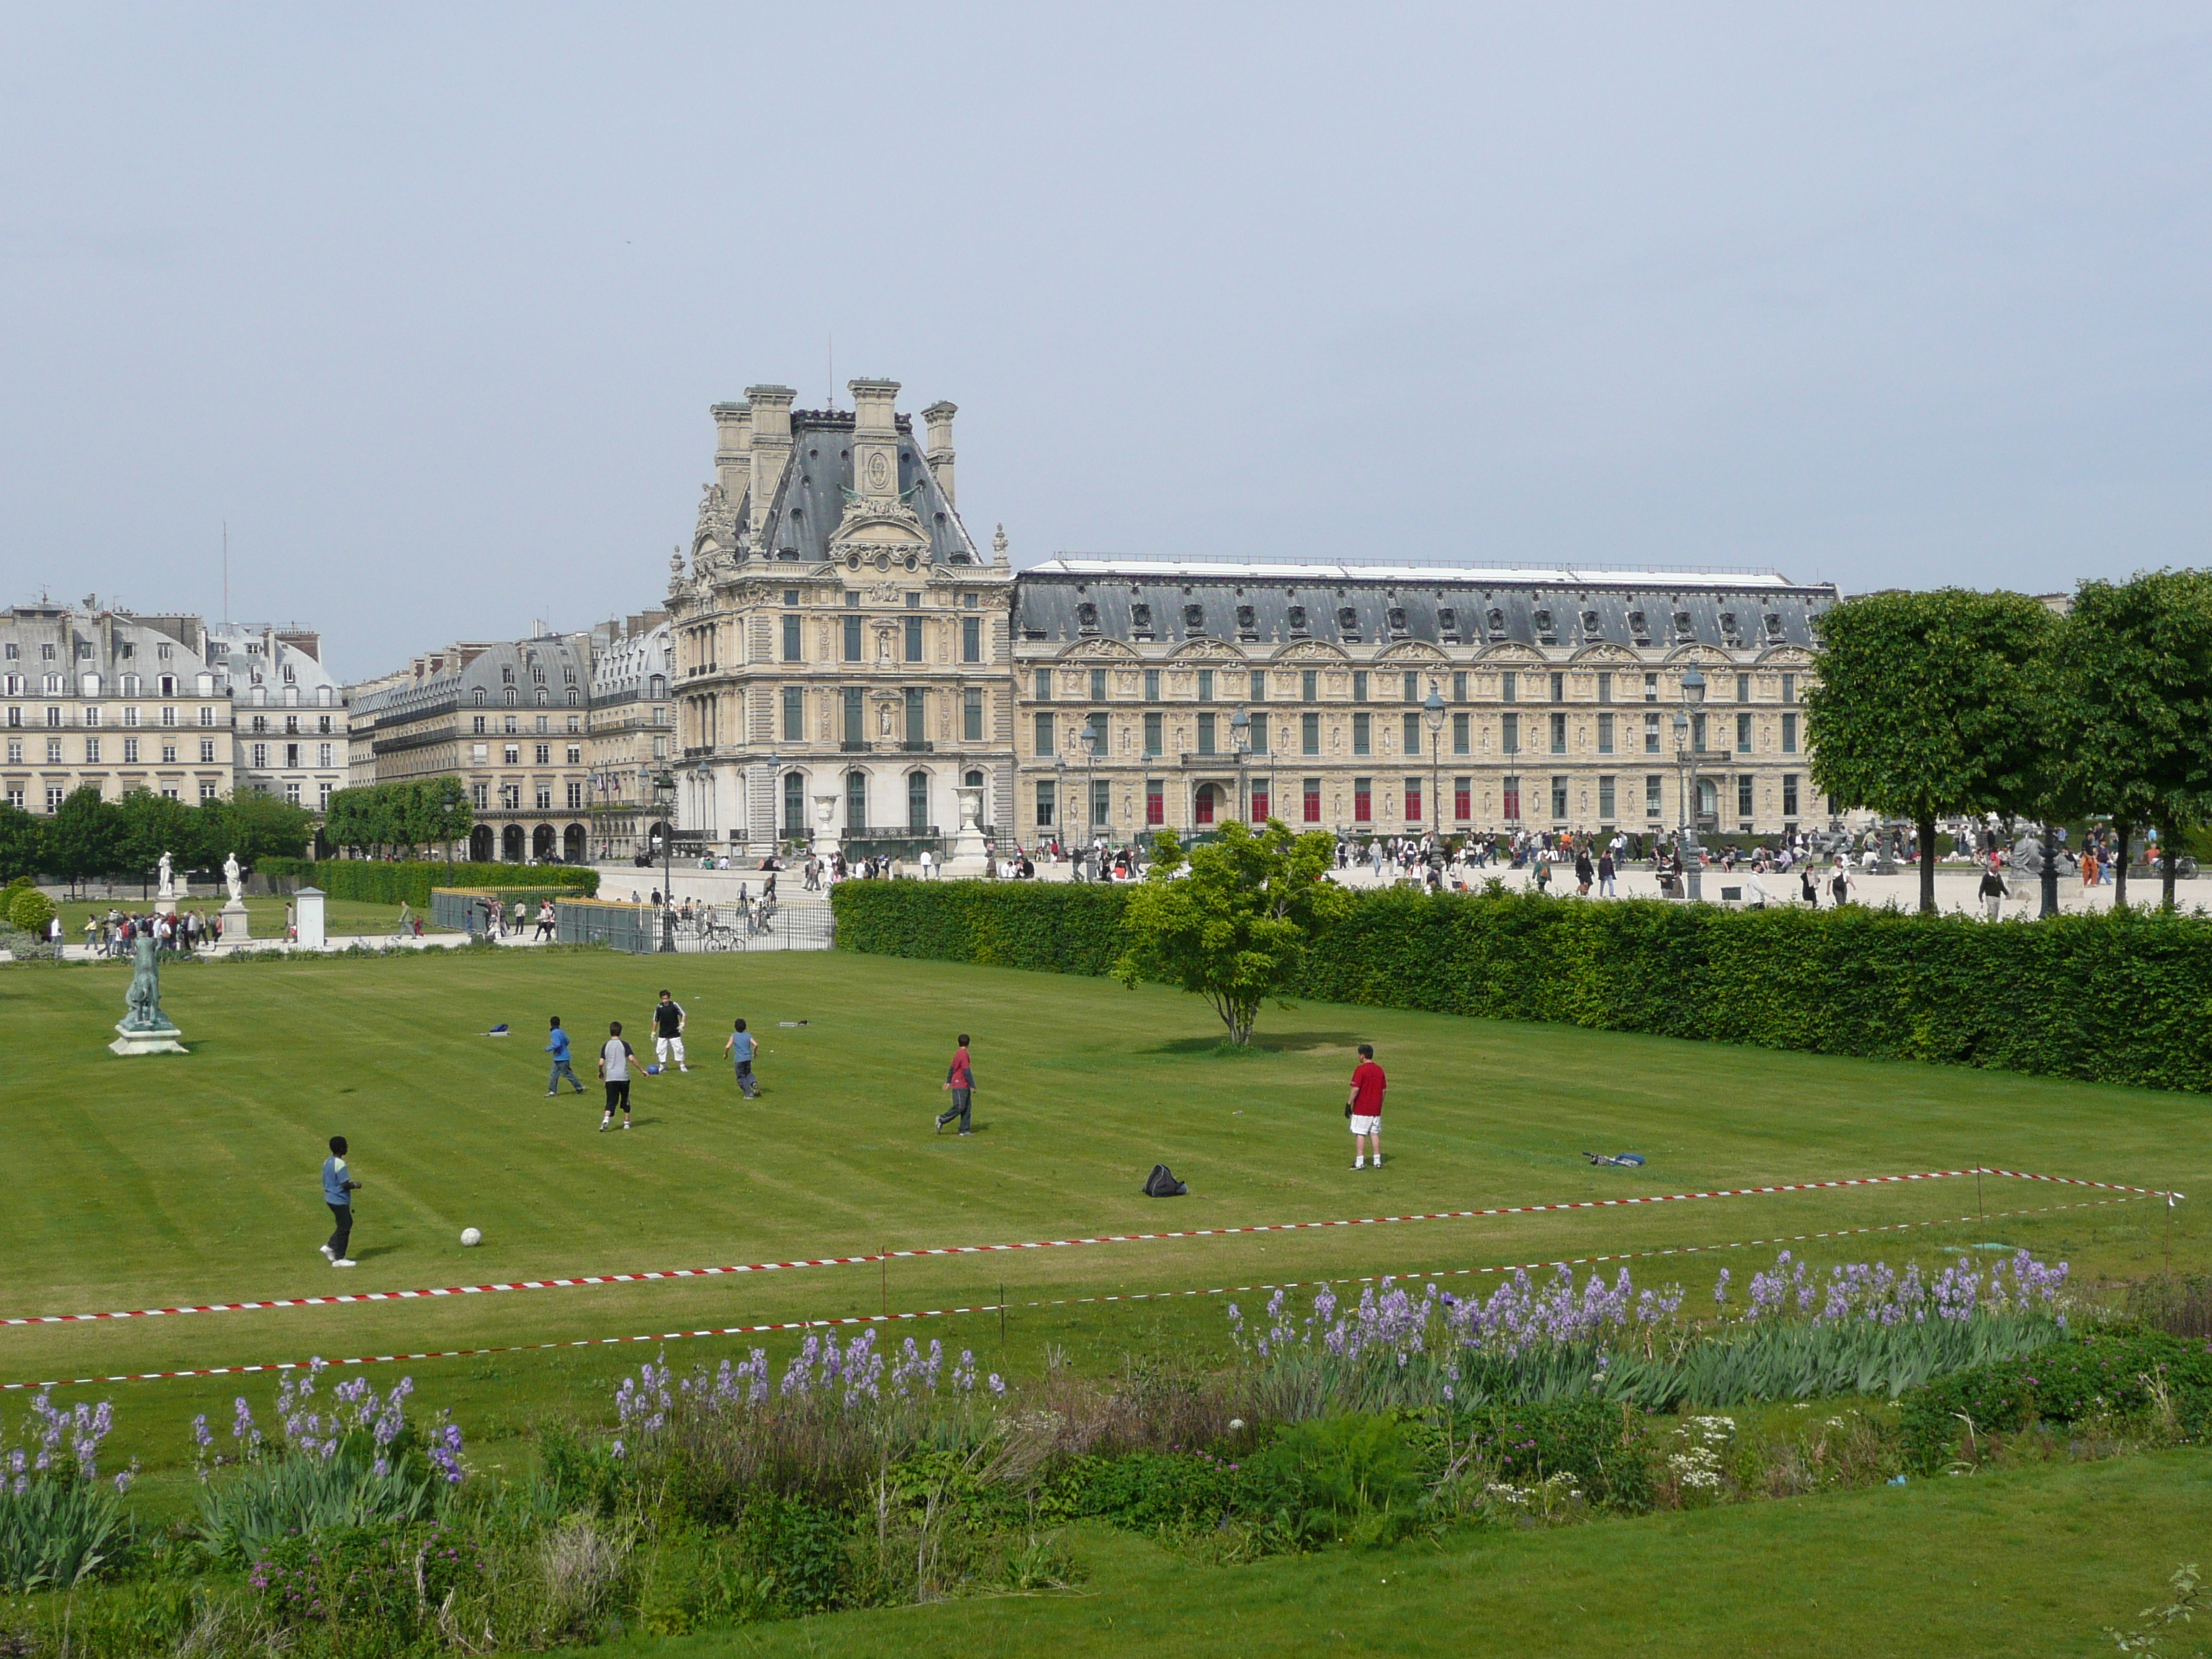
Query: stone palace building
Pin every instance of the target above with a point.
(847, 660)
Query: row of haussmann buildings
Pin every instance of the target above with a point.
(836, 660)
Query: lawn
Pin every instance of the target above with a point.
(341, 917)
(192, 1179)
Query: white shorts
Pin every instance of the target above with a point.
(1367, 1126)
(662, 1045)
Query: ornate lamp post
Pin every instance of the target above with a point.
(705, 774)
(1059, 795)
(1432, 715)
(1090, 787)
(664, 802)
(1693, 697)
(1240, 740)
(775, 828)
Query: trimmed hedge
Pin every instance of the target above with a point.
(2121, 998)
(373, 881)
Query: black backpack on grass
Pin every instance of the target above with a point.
(1161, 1183)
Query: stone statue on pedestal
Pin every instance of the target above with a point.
(233, 879)
(237, 925)
(169, 888)
(144, 1029)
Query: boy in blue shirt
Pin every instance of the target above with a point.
(558, 1047)
(741, 1047)
(339, 1188)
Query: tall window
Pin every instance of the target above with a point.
(1651, 734)
(1094, 731)
(1789, 734)
(1412, 800)
(1044, 735)
(971, 639)
(1259, 686)
(913, 638)
(1510, 799)
(794, 805)
(1097, 685)
(1559, 800)
(1309, 686)
(1462, 799)
(1789, 795)
(1102, 804)
(1363, 801)
(1788, 688)
(1155, 801)
(1743, 735)
(1559, 688)
(1460, 739)
(1262, 805)
(1044, 803)
(1363, 740)
(856, 803)
(1205, 734)
(1605, 812)
(1151, 734)
(1410, 688)
(1508, 686)
(1151, 685)
(917, 802)
(794, 713)
(1359, 685)
(1458, 687)
(1558, 734)
(855, 716)
(971, 714)
(1259, 738)
(1310, 799)
(1309, 734)
(1605, 734)
(917, 716)
(1654, 802)
(1605, 687)
(1044, 685)
(852, 638)
(1743, 688)
(1698, 733)
(1509, 734)
(1743, 796)
(1202, 803)
(1205, 685)
(1411, 736)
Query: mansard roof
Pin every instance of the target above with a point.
(1071, 599)
(809, 502)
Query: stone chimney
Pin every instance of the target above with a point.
(939, 416)
(875, 440)
(734, 439)
(771, 447)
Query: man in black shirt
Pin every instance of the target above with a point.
(668, 1031)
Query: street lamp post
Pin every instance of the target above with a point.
(663, 801)
(1240, 740)
(1432, 713)
(1060, 793)
(1090, 787)
(775, 803)
(1693, 697)
(705, 774)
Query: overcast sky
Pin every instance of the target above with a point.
(430, 304)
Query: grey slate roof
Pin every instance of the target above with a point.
(809, 501)
(1263, 609)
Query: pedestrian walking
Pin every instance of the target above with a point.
(1363, 1106)
(960, 1079)
(1584, 872)
(740, 1048)
(1992, 892)
(557, 1046)
(546, 919)
(614, 1056)
(668, 1031)
(339, 1188)
(1605, 875)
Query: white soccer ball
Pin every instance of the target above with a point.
(469, 1236)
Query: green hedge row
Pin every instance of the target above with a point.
(2121, 998)
(373, 881)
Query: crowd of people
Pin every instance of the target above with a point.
(115, 932)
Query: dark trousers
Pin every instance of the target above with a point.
(745, 1078)
(342, 1214)
(618, 1095)
(959, 1110)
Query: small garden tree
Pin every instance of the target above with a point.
(1926, 705)
(1231, 920)
(22, 843)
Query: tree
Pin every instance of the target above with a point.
(255, 826)
(148, 825)
(1231, 920)
(2131, 685)
(1926, 705)
(80, 837)
(448, 812)
(22, 843)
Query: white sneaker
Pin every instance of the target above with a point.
(1359, 1162)
(326, 1249)
(1378, 1160)
(625, 1123)
(684, 1068)
(345, 1262)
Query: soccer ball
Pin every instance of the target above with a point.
(652, 1071)
(470, 1237)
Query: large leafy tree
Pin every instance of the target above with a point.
(80, 835)
(1927, 705)
(148, 825)
(255, 826)
(1231, 920)
(22, 843)
(2130, 690)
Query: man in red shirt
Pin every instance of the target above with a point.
(960, 1079)
(1363, 1106)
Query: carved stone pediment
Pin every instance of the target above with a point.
(1510, 654)
(1113, 649)
(1190, 650)
(1786, 656)
(1312, 651)
(1413, 651)
(1606, 653)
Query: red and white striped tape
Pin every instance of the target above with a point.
(672, 1273)
(1080, 1301)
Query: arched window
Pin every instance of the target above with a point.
(856, 803)
(794, 806)
(973, 779)
(917, 802)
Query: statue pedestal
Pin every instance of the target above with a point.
(237, 926)
(155, 1039)
(825, 829)
(966, 857)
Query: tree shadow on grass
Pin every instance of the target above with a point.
(1287, 1042)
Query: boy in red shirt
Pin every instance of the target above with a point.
(1363, 1106)
(960, 1078)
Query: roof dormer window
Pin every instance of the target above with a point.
(1545, 632)
(1397, 622)
(1497, 622)
(1194, 618)
(1640, 628)
(1347, 621)
(1299, 629)
(1448, 623)
(1086, 616)
(1685, 628)
(1592, 628)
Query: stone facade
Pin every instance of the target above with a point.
(842, 659)
(506, 718)
(115, 701)
(631, 727)
(289, 730)
(1559, 691)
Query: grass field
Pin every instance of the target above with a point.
(341, 916)
(192, 1179)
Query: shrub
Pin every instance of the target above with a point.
(1880, 984)
(1601, 1445)
(2119, 1373)
(370, 881)
(30, 911)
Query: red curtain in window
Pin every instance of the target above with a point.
(1260, 803)
(1312, 793)
(1205, 805)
